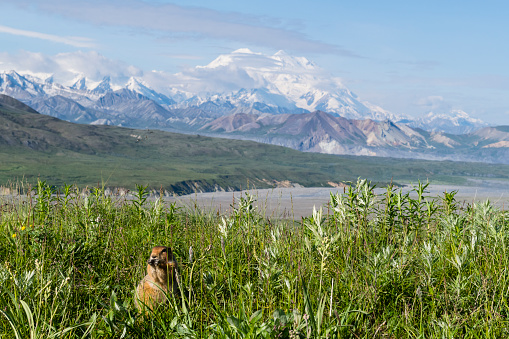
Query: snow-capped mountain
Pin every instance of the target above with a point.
(104, 86)
(80, 84)
(19, 87)
(278, 99)
(247, 100)
(26, 87)
(138, 86)
(454, 122)
(239, 82)
(285, 83)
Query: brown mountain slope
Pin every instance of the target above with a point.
(319, 131)
(323, 133)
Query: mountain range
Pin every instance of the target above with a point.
(323, 133)
(35, 147)
(278, 99)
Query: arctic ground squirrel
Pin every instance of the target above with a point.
(160, 279)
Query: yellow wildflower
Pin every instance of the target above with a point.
(23, 228)
(14, 235)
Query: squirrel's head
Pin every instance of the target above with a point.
(161, 256)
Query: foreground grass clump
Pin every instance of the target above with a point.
(391, 265)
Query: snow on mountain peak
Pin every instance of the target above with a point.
(454, 115)
(134, 83)
(296, 78)
(464, 115)
(14, 84)
(80, 83)
(455, 121)
(103, 86)
(97, 87)
(460, 113)
(139, 86)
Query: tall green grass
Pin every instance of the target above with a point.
(389, 265)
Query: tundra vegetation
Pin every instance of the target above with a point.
(366, 265)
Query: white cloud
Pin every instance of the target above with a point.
(170, 20)
(434, 103)
(72, 41)
(245, 69)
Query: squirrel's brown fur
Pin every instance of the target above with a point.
(159, 281)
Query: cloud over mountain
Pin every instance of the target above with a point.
(242, 80)
(64, 67)
(72, 41)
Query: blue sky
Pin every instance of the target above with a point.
(408, 57)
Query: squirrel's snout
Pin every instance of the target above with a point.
(153, 261)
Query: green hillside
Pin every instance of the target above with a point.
(35, 146)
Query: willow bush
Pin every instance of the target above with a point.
(366, 265)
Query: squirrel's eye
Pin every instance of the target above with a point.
(164, 250)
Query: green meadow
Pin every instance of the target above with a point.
(366, 265)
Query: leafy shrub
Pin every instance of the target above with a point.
(374, 265)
